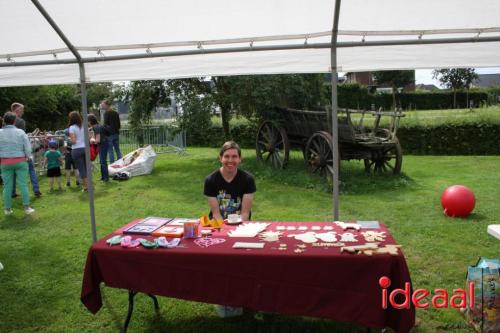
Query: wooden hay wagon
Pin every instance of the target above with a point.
(378, 147)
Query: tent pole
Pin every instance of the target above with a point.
(252, 49)
(83, 88)
(335, 138)
(88, 163)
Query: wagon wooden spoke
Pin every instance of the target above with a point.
(386, 159)
(271, 145)
(318, 154)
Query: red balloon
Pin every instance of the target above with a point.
(458, 201)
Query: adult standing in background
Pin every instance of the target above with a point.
(15, 150)
(77, 137)
(100, 138)
(18, 109)
(113, 125)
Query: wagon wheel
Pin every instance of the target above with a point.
(272, 145)
(318, 154)
(389, 158)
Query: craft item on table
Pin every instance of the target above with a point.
(163, 242)
(338, 244)
(282, 247)
(208, 241)
(206, 222)
(368, 224)
(359, 248)
(281, 227)
(328, 227)
(348, 237)
(328, 237)
(127, 241)
(307, 237)
(345, 226)
(148, 244)
(315, 227)
(147, 225)
(291, 227)
(302, 246)
(179, 221)
(390, 249)
(169, 231)
(206, 233)
(302, 228)
(191, 229)
(372, 248)
(248, 245)
(374, 236)
(115, 240)
(270, 236)
(297, 250)
(248, 229)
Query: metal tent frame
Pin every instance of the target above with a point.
(333, 46)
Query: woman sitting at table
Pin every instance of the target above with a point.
(229, 189)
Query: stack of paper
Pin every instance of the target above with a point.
(494, 230)
(248, 229)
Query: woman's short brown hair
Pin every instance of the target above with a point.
(9, 118)
(230, 145)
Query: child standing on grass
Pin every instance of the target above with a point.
(53, 159)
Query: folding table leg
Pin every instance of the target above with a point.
(131, 295)
(155, 301)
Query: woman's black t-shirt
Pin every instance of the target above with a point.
(229, 195)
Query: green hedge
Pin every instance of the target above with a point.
(463, 139)
(355, 96)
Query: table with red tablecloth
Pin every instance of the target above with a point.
(318, 282)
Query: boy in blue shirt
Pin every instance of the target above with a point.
(53, 160)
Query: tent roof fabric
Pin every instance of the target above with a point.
(185, 32)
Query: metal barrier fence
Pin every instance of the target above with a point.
(39, 145)
(162, 138)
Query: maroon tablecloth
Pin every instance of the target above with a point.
(320, 282)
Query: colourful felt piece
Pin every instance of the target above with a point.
(208, 241)
(115, 240)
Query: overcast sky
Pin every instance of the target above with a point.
(425, 75)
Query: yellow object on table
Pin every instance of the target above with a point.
(206, 222)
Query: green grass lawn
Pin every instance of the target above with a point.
(44, 255)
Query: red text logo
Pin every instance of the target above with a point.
(440, 297)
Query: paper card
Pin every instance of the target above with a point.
(147, 225)
(169, 231)
(180, 221)
(248, 245)
(369, 224)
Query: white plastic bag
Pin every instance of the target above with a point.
(139, 162)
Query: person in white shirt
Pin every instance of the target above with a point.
(77, 138)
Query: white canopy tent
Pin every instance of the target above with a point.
(69, 41)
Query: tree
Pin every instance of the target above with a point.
(251, 96)
(395, 79)
(455, 78)
(255, 96)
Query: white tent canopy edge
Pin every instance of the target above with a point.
(388, 19)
